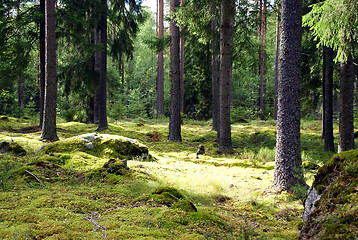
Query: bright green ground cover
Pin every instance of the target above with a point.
(230, 191)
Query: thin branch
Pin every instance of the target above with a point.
(34, 176)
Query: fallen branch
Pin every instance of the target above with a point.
(34, 176)
(93, 220)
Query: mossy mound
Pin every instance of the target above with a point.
(336, 212)
(12, 147)
(171, 197)
(104, 146)
(309, 165)
(116, 167)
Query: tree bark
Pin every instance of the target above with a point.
(102, 91)
(182, 44)
(49, 116)
(215, 78)
(42, 60)
(346, 116)
(160, 63)
(262, 58)
(226, 43)
(288, 163)
(328, 100)
(174, 123)
(276, 60)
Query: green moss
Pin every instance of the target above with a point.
(185, 205)
(116, 167)
(309, 165)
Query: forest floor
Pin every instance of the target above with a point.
(230, 191)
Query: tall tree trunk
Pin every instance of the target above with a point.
(102, 91)
(160, 67)
(328, 100)
(182, 44)
(276, 60)
(49, 116)
(226, 43)
(323, 122)
(42, 60)
(288, 163)
(262, 58)
(174, 123)
(215, 78)
(346, 125)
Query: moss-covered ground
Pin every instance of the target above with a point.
(73, 198)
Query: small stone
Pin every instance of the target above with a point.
(89, 146)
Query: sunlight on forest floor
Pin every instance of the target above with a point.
(231, 191)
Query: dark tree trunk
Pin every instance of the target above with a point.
(262, 58)
(276, 60)
(42, 60)
(328, 100)
(49, 116)
(102, 90)
(182, 44)
(174, 123)
(323, 122)
(346, 126)
(288, 163)
(215, 78)
(160, 67)
(226, 43)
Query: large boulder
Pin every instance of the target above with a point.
(331, 209)
(100, 145)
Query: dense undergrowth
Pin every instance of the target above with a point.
(230, 192)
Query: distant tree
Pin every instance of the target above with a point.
(182, 46)
(50, 98)
(215, 75)
(175, 120)
(277, 52)
(42, 60)
(226, 44)
(160, 67)
(263, 8)
(288, 164)
(328, 99)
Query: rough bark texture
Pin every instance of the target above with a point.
(276, 60)
(328, 100)
(262, 57)
(174, 123)
(182, 44)
(102, 91)
(215, 78)
(42, 60)
(160, 63)
(226, 42)
(49, 116)
(288, 163)
(346, 126)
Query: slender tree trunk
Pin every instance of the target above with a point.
(102, 91)
(288, 163)
(276, 60)
(42, 60)
(226, 43)
(49, 116)
(262, 58)
(20, 92)
(346, 124)
(174, 123)
(182, 44)
(324, 78)
(328, 100)
(215, 78)
(160, 67)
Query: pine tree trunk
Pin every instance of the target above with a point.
(215, 78)
(328, 100)
(346, 125)
(288, 163)
(42, 60)
(182, 44)
(49, 117)
(262, 58)
(160, 67)
(276, 60)
(102, 91)
(174, 123)
(226, 43)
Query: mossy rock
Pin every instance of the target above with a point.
(171, 197)
(108, 146)
(12, 147)
(309, 165)
(116, 167)
(336, 212)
